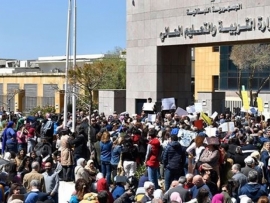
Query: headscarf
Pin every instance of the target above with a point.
(175, 196)
(218, 198)
(158, 194)
(102, 185)
(87, 167)
(31, 132)
(80, 161)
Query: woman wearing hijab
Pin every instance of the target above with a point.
(218, 198)
(80, 172)
(91, 169)
(175, 198)
(102, 185)
(9, 142)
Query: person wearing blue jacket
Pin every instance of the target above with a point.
(105, 155)
(9, 138)
(173, 160)
(119, 189)
(253, 189)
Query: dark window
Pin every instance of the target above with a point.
(232, 83)
(215, 49)
(215, 82)
(223, 83)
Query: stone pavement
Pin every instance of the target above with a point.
(65, 191)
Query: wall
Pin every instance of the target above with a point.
(206, 65)
(32, 78)
(112, 100)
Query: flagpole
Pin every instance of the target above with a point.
(74, 65)
(67, 63)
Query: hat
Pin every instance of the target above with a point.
(249, 160)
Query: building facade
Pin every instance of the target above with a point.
(160, 35)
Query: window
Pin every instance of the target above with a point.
(215, 49)
(215, 82)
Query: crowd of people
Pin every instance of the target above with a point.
(126, 158)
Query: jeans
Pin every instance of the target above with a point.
(106, 170)
(30, 146)
(22, 146)
(67, 173)
(153, 176)
(171, 175)
(54, 198)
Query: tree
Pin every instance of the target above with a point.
(88, 78)
(116, 79)
(251, 58)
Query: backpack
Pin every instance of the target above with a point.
(47, 129)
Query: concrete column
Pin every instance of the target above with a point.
(174, 74)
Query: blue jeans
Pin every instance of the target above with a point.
(171, 175)
(22, 146)
(153, 175)
(106, 170)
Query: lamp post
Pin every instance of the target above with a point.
(67, 63)
(74, 65)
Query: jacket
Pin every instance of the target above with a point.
(80, 172)
(253, 191)
(152, 153)
(33, 175)
(79, 146)
(115, 156)
(105, 151)
(66, 153)
(173, 156)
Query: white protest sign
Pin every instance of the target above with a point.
(214, 115)
(192, 117)
(253, 110)
(181, 112)
(227, 127)
(186, 137)
(191, 109)
(211, 132)
(151, 117)
(198, 107)
(168, 103)
(148, 106)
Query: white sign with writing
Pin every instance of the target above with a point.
(151, 117)
(227, 127)
(168, 103)
(148, 106)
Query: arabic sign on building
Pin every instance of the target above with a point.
(219, 27)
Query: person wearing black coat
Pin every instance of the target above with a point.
(80, 146)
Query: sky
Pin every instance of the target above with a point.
(33, 28)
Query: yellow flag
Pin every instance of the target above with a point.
(206, 118)
(245, 100)
(260, 104)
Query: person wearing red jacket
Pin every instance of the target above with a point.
(152, 157)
